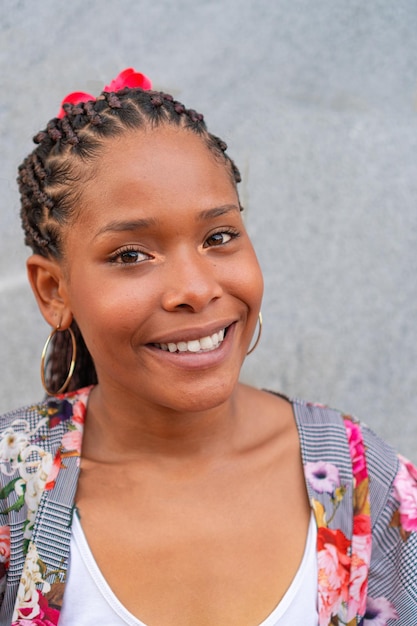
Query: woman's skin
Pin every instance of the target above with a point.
(191, 493)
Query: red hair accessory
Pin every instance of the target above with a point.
(126, 78)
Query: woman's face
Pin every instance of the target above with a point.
(158, 267)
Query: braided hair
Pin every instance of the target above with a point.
(50, 182)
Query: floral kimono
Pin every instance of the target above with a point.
(363, 496)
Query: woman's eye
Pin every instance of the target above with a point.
(219, 239)
(129, 256)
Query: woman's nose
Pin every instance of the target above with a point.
(191, 282)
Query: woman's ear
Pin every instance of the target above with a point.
(48, 283)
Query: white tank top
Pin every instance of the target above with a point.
(88, 598)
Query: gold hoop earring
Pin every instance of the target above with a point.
(72, 364)
(259, 335)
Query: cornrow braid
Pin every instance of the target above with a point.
(69, 133)
(50, 181)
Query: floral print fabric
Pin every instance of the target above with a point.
(343, 563)
(40, 449)
(28, 472)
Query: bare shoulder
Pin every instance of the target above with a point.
(270, 402)
(270, 415)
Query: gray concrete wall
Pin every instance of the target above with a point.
(318, 102)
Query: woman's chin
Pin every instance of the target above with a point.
(202, 400)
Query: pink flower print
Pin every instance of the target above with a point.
(412, 469)
(378, 612)
(359, 568)
(362, 525)
(323, 477)
(53, 473)
(72, 440)
(405, 491)
(4, 556)
(318, 405)
(357, 450)
(5, 546)
(47, 616)
(333, 567)
(78, 412)
(358, 587)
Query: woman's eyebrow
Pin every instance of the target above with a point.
(126, 225)
(217, 211)
(143, 223)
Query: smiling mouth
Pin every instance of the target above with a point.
(204, 344)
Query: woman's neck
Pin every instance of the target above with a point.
(119, 426)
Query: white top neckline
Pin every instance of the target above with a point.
(88, 595)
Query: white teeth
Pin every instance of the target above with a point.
(206, 343)
(196, 345)
(193, 346)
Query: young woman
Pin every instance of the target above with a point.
(159, 490)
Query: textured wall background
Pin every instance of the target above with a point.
(318, 102)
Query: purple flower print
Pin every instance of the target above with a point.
(378, 612)
(323, 477)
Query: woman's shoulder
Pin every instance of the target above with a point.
(323, 419)
(392, 478)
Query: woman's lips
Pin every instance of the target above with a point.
(197, 358)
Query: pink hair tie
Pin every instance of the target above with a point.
(127, 78)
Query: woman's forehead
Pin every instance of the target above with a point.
(165, 157)
(153, 170)
(155, 145)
